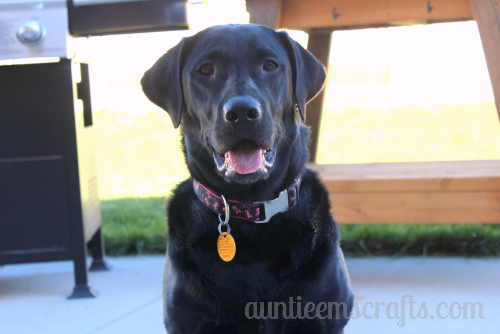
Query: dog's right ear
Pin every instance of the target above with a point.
(162, 83)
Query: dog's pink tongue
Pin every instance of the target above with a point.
(246, 157)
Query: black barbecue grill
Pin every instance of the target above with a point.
(49, 204)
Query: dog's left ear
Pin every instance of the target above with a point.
(308, 73)
(162, 83)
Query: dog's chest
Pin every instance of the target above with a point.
(265, 254)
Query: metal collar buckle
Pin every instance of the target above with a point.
(278, 205)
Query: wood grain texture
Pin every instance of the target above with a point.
(338, 14)
(417, 207)
(414, 192)
(265, 12)
(487, 15)
(411, 176)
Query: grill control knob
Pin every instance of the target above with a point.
(31, 32)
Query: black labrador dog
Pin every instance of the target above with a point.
(273, 263)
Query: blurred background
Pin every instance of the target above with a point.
(397, 94)
(416, 93)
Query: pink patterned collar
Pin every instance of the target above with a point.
(259, 212)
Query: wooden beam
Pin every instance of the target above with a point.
(265, 12)
(340, 14)
(417, 208)
(414, 192)
(412, 176)
(319, 44)
(487, 15)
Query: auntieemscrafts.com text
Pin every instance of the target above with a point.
(295, 308)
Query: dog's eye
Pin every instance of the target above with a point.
(206, 69)
(270, 65)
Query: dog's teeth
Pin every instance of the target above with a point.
(228, 164)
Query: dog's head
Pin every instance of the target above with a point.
(239, 94)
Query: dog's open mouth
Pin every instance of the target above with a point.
(245, 157)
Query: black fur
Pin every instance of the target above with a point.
(297, 253)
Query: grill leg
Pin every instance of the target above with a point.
(82, 288)
(96, 246)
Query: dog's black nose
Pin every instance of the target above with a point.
(244, 108)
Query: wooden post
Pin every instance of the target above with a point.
(487, 15)
(265, 12)
(319, 45)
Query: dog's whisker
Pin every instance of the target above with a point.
(288, 141)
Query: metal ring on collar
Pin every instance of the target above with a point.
(226, 210)
(226, 218)
(220, 228)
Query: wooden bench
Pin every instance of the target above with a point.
(416, 192)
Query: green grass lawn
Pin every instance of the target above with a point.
(138, 226)
(134, 225)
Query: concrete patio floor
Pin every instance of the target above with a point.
(33, 297)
